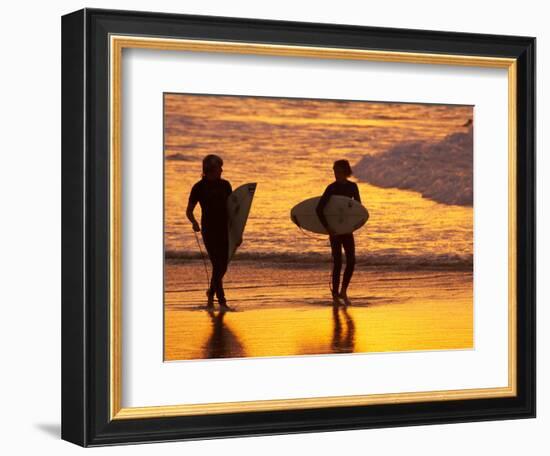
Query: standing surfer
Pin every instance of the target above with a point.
(211, 192)
(341, 186)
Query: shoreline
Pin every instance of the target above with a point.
(324, 261)
(262, 285)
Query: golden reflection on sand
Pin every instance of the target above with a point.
(423, 316)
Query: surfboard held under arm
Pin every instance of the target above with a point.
(238, 208)
(344, 215)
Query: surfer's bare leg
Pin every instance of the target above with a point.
(348, 242)
(211, 250)
(336, 249)
(216, 244)
(219, 268)
(210, 298)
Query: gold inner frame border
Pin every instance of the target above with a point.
(116, 45)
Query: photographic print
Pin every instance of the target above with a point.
(310, 226)
(306, 212)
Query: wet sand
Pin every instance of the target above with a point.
(286, 310)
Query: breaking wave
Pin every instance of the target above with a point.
(441, 171)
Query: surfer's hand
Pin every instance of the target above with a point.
(196, 227)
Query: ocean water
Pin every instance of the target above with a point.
(288, 146)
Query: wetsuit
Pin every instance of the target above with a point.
(347, 241)
(212, 196)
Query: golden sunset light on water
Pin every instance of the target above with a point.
(413, 285)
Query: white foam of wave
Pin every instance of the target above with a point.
(441, 171)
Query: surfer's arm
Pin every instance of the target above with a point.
(192, 203)
(321, 207)
(189, 213)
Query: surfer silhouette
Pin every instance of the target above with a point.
(211, 192)
(341, 186)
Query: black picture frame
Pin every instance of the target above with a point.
(85, 228)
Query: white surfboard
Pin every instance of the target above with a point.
(344, 215)
(238, 208)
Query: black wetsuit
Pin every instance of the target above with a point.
(212, 196)
(347, 241)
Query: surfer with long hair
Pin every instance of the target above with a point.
(211, 192)
(340, 186)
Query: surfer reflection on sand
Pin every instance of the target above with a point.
(343, 341)
(341, 186)
(212, 192)
(222, 343)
